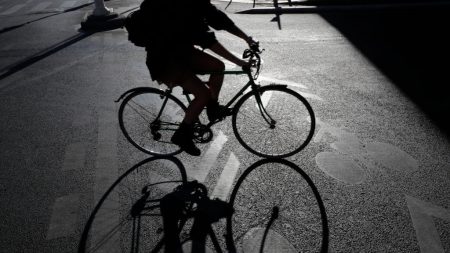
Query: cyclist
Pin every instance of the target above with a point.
(179, 28)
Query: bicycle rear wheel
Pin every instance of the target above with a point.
(127, 217)
(283, 129)
(148, 118)
(270, 188)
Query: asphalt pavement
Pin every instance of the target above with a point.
(375, 77)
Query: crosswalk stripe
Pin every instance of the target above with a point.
(226, 179)
(200, 172)
(106, 162)
(68, 4)
(64, 217)
(41, 6)
(74, 157)
(13, 9)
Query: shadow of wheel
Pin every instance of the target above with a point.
(277, 209)
(127, 217)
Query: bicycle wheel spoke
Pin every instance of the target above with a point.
(287, 134)
(148, 119)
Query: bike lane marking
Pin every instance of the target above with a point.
(201, 172)
(12, 10)
(67, 4)
(40, 7)
(64, 213)
(349, 152)
(226, 179)
(74, 156)
(106, 172)
(278, 81)
(274, 242)
(422, 214)
(64, 217)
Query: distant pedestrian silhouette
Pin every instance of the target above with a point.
(178, 28)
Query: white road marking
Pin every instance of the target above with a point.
(278, 81)
(309, 95)
(200, 172)
(68, 4)
(13, 9)
(106, 161)
(422, 214)
(74, 157)
(226, 179)
(41, 6)
(106, 173)
(64, 217)
(266, 97)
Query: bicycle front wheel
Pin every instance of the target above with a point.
(282, 126)
(127, 218)
(148, 118)
(277, 209)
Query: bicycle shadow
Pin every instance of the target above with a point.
(153, 208)
(277, 209)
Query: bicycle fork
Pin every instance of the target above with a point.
(266, 116)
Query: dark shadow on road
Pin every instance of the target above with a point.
(127, 216)
(274, 198)
(410, 46)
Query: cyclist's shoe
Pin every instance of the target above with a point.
(183, 138)
(215, 111)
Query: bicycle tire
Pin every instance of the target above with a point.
(110, 225)
(137, 114)
(301, 225)
(294, 128)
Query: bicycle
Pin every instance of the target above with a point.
(270, 121)
(133, 214)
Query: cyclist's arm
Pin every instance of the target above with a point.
(222, 51)
(239, 33)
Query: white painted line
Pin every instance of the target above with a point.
(309, 95)
(200, 172)
(64, 217)
(422, 214)
(74, 157)
(278, 81)
(266, 97)
(68, 4)
(226, 179)
(13, 9)
(106, 161)
(107, 220)
(40, 6)
(106, 173)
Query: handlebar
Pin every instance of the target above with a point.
(253, 54)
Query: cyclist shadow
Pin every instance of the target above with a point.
(153, 208)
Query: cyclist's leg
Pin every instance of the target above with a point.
(191, 83)
(202, 61)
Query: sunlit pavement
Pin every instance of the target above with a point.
(379, 156)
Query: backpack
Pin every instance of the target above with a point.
(138, 32)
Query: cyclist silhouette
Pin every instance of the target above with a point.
(177, 29)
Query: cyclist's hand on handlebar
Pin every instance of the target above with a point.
(252, 42)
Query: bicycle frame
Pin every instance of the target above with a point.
(251, 83)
